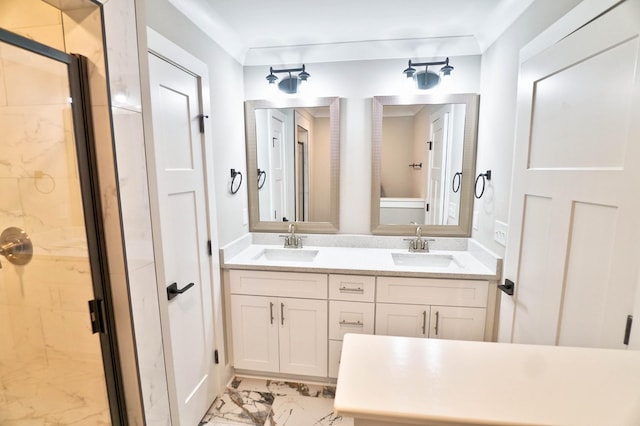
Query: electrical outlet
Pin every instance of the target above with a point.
(245, 216)
(500, 232)
(475, 220)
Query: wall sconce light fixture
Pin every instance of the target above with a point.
(427, 79)
(290, 84)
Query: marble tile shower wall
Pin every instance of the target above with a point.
(124, 193)
(121, 34)
(37, 171)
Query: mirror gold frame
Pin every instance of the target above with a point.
(255, 224)
(463, 228)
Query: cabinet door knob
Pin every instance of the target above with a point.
(437, 321)
(424, 322)
(282, 313)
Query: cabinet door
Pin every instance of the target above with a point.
(457, 323)
(255, 332)
(303, 336)
(402, 320)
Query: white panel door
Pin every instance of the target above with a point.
(402, 320)
(457, 323)
(184, 233)
(434, 214)
(303, 336)
(574, 244)
(254, 324)
(277, 163)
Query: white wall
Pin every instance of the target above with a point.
(356, 82)
(397, 154)
(498, 88)
(319, 176)
(227, 113)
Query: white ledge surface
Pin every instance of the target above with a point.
(399, 380)
(362, 261)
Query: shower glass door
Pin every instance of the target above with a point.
(51, 364)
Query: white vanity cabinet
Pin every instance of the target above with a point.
(351, 310)
(279, 322)
(435, 308)
(294, 322)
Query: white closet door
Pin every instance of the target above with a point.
(183, 232)
(574, 244)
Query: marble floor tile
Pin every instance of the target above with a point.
(53, 391)
(301, 410)
(263, 402)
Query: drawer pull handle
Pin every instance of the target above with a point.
(437, 321)
(351, 290)
(356, 323)
(271, 311)
(282, 313)
(424, 322)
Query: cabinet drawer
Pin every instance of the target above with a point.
(350, 317)
(356, 288)
(268, 283)
(335, 350)
(432, 291)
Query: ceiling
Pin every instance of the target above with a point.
(259, 32)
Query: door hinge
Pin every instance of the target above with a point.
(216, 358)
(202, 117)
(627, 330)
(430, 145)
(209, 249)
(95, 315)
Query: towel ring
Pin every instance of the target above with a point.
(234, 175)
(262, 178)
(485, 177)
(455, 187)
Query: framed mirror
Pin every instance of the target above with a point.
(293, 164)
(423, 164)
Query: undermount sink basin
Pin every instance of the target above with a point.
(287, 255)
(433, 260)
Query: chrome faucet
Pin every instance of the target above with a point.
(292, 240)
(419, 244)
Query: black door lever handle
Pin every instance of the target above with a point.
(508, 287)
(173, 290)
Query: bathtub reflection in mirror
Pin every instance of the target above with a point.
(423, 163)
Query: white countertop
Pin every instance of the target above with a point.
(362, 260)
(446, 382)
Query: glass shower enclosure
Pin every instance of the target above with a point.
(57, 352)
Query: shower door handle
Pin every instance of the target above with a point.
(173, 290)
(95, 315)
